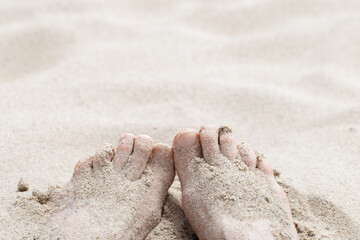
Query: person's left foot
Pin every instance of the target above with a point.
(114, 195)
(228, 192)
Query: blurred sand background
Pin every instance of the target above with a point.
(285, 75)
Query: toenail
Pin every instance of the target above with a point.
(207, 127)
(188, 139)
(129, 135)
(225, 129)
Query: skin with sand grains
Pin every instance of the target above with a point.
(228, 190)
(114, 195)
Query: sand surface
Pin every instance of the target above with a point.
(283, 74)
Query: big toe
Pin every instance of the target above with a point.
(186, 147)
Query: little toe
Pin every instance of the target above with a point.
(123, 151)
(248, 155)
(209, 138)
(227, 143)
(83, 168)
(186, 147)
(137, 161)
(103, 158)
(264, 165)
(161, 171)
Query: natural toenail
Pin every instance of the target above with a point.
(188, 139)
(225, 129)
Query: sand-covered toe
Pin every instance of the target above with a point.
(103, 203)
(223, 198)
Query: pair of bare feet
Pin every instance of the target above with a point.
(228, 191)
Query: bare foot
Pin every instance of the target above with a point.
(114, 195)
(229, 192)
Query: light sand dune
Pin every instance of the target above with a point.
(283, 74)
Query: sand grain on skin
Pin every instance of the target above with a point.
(232, 190)
(101, 204)
(285, 74)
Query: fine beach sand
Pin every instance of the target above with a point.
(283, 74)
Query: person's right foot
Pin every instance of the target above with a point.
(229, 192)
(114, 195)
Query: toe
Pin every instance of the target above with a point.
(160, 174)
(248, 155)
(227, 143)
(103, 158)
(209, 138)
(137, 161)
(186, 147)
(264, 166)
(83, 168)
(161, 171)
(123, 151)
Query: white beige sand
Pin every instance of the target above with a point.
(283, 74)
